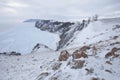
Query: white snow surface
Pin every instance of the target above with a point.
(24, 37)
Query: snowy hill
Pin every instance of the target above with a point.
(92, 53)
(95, 32)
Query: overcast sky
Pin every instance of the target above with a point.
(16, 10)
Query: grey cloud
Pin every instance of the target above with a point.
(61, 9)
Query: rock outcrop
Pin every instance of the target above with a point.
(77, 64)
(64, 55)
(79, 54)
(65, 30)
(112, 53)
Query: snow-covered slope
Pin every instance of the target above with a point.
(23, 38)
(26, 67)
(102, 38)
(95, 32)
(100, 60)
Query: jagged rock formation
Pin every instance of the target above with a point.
(65, 30)
(39, 46)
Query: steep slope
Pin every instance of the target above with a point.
(95, 32)
(22, 39)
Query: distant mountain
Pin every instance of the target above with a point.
(31, 20)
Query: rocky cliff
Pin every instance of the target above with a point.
(65, 30)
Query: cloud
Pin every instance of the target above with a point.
(57, 9)
(16, 4)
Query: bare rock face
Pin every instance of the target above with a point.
(77, 64)
(64, 55)
(79, 54)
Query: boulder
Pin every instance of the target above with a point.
(77, 64)
(78, 54)
(84, 48)
(112, 53)
(64, 55)
(109, 54)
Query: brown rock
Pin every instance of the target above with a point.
(77, 64)
(109, 54)
(84, 48)
(78, 54)
(112, 53)
(84, 55)
(95, 78)
(115, 49)
(64, 55)
(116, 55)
(108, 62)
